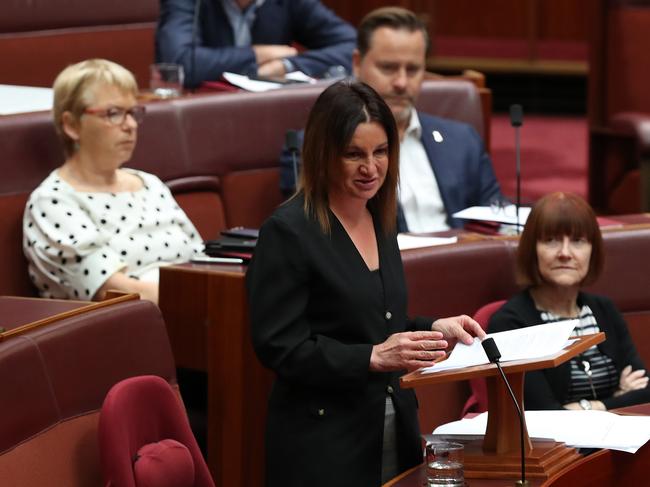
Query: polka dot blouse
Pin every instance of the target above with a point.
(74, 241)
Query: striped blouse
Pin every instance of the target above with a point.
(593, 374)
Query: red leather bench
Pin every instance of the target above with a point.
(38, 38)
(54, 380)
(218, 153)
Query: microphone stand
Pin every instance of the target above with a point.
(518, 157)
(291, 140)
(517, 120)
(493, 354)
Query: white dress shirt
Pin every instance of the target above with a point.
(419, 194)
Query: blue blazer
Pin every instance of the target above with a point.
(329, 40)
(462, 168)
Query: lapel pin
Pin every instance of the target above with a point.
(437, 136)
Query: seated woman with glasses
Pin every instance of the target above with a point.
(560, 251)
(91, 225)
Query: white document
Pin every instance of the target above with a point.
(582, 429)
(24, 99)
(524, 343)
(506, 214)
(406, 242)
(245, 83)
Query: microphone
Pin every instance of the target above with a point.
(517, 120)
(493, 355)
(195, 28)
(293, 144)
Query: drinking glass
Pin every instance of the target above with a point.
(444, 461)
(166, 80)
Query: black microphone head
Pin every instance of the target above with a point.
(516, 115)
(292, 140)
(491, 349)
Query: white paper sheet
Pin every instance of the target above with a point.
(245, 83)
(24, 99)
(487, 213)
(582, 429)
(525, 343)
(405, 242)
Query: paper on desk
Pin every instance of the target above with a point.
(582, 429)
(405, 242)
(506, 214)
(245, 83)
(523, 343)
(23, 99)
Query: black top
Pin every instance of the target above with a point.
(549, 388)
(316, 311)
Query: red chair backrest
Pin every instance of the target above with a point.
(139, 411)
(478, 401)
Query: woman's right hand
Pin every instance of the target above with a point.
(631, 380)
(408, 350)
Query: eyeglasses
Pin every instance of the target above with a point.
(117, 115)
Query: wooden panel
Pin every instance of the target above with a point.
(496, 18)
(563, 19)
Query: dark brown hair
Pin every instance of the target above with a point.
(393, 17)
(332, 123)
(557, 215)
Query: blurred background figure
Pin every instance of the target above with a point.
(444, 167)
(252, 37)
(561, 251)
(92, 226)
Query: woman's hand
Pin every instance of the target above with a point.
(461, 328)
(408, 350)
(631, 380)
(595, 405)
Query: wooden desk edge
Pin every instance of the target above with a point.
(67, 314)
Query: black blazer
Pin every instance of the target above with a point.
(316, 310)
(548, 389)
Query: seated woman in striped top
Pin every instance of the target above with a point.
(560, 251)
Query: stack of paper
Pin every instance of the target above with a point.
(581, 429)
(525, 343)
(406, 242)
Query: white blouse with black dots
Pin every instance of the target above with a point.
(76, 240)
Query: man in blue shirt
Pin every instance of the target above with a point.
(443, 164)
(252, 37)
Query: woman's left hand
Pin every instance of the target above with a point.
(461, 328)
(631, 380)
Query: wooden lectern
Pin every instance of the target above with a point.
(498, 455)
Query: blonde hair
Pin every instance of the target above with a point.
(72, 91)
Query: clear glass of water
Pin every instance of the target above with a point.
(166, 80)
(444, 461)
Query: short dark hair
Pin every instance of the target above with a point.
(393, 17)
(557, 215)
(330, 127)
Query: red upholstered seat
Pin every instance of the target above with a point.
(478, 401)
(139, 417)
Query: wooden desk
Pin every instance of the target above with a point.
(206, 304)
(205, 310)
(605, 468)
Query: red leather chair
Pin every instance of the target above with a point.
(478, 401)
(145, 438)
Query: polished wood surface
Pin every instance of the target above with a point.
(204, 307)
(604, 468)
(498, 454)
(20, 315)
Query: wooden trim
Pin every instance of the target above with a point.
(67, 314)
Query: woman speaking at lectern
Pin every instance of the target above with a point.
(560, 251)
(328, 307)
